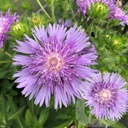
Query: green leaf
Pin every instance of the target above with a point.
(81, 116)
(64, 124)
(16, 115)
(113, 124)
(109, 59)
(2, 105)
(29, 118)
(118, 125)
(80, 125)
(43, 116)
(61, 118)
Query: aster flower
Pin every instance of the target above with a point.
(52, 64)
(86, 4)
(119, 14)
(115, 12)
(106, 96)
(5, 23)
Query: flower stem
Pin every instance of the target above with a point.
(43, 9)
(73, 15)
(6, 53)
(2, 62)
(20, 123)
(53, 12)
(90, 25)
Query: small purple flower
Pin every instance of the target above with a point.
(86, 4)
(66, 23)
(115, 12)
(119, 14)
(52, 64)
(5, 23)
(106, 95)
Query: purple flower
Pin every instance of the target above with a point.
(5, 23)
(115, 12)
(119, 14)
(86, 4)
(66, 23)
(106, 95)
(52, 64)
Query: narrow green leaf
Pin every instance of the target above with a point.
(28, 118)
(16, 115)
(43, 116)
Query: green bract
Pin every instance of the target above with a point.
(98, 11)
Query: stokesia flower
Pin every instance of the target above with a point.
(5, 23)
(119, 14)
(85, 5)
(106, 96)
(102, 9)
(52, 64)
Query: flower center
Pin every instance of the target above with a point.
(1, 29)
(54, 61)
(105, 95)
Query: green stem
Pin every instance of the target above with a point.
(6, 53)
(89, 27)
(20, 123)
(43, 9)
(73, 15)
(2, 62)
(10, 56)
(53, 12)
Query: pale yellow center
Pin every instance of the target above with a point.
(54, 61)
(105, 95)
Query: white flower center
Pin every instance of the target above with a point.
(105, 95)
(54, 61)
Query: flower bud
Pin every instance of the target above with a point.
(98, 10)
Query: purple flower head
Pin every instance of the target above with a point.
(114, 11)
(86, 4)
(5, 23)
(66, 23)
(52, 64)
(106, 96)
(119, 14)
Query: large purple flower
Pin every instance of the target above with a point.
(53, 62)
(106, 95)
(5, 23)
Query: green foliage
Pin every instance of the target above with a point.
(98, 11)
(26, 5)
